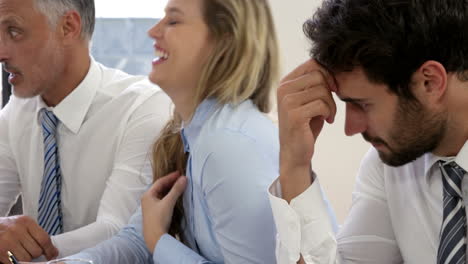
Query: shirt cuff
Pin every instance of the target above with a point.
(170, 250)
(305, 224)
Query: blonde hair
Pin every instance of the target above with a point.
(244, 64)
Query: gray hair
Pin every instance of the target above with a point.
(54, 9)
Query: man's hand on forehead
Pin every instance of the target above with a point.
(305, 102)
(308, 67)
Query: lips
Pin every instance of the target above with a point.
(161, 55)
(13, 78)
(14, 74)
(10, 70)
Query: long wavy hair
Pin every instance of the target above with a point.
(243, 64)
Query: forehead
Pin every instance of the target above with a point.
(355, 83)
(21, 12)
(186, 6)
(16, 6)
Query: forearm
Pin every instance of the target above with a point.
(126, 247)
(10, 186)
(168, 250)
(86, 237)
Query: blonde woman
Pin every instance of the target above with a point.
(217, 60)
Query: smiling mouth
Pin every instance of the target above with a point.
(161, 55)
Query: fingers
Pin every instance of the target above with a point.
(20, 241)
(306, 67)
(20, 252)
(162, 186)
(303, 82)
(303, 90)
(299, 99)
(39, 236)
(311, 66)
(31, 245)
(25, 238)
(176, 190)
(158, 207)
(169, 188)
(301, 117)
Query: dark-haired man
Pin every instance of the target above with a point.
(75, 136)
(401, 67)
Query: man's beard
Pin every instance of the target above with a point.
(415, 132)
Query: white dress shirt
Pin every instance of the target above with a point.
(395, 217)
(106, 130)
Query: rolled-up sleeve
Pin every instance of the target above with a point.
(366, 237)
(306, 226)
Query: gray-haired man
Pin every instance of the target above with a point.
(74, 138)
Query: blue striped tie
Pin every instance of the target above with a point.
(452, 247)
(50, 211)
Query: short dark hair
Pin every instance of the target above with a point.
(390, 39)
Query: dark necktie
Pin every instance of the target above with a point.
(452, 247)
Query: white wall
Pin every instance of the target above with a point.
(337, 157)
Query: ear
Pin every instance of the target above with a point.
(70, 27)
(429, 83)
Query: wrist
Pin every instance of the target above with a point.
(153, 241)
(293, 162)
(294, 181)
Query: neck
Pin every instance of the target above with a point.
(76, 67)
(183, 101)
(456, 133)
(454, 139)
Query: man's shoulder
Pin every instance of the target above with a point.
(115, 82)
(374, 169)
(17, 105)
(126, 94)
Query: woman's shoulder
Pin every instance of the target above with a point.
(244, 119)
(242, 123)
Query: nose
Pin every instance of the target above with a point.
(155, 32)
(356, 120)
(3, 52)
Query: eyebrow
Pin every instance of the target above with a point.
(174, 10)
(10, 20)
(352, 100)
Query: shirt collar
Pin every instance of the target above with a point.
(462, 157)
(430, 160)
(72, 110)
(191, 130)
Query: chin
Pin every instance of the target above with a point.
(397, 159)
(20, 93)
(154, 79)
